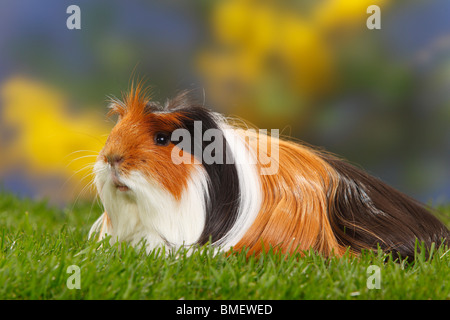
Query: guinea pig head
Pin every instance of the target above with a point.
(140, 145)
(145, 193)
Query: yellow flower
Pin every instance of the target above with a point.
(343, 14)
(307, 55)
(266, 51)
(49, 140)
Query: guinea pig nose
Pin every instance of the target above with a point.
(114, 159)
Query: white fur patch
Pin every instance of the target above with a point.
(149, 212)
(249, 184)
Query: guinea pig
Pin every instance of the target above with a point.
(180, 174)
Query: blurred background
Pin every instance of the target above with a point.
(311, 68)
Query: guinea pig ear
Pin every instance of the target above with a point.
(184, 99)
(152, 106)
(116, 106)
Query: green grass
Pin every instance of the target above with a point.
(38, 243)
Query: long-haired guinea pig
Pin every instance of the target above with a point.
(179, 174)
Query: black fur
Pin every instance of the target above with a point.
(366, 212)
(222, 201)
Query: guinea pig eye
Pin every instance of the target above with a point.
(162, 139)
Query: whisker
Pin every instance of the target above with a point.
(76, 172)
(78, 151)
(82, 157)
(82, 192)
(96, 138)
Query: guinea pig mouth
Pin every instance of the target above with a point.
(122, 187)
(119, 185)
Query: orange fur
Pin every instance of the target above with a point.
(294, 217)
